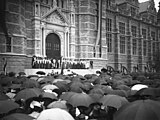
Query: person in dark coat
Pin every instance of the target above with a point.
(97, 112)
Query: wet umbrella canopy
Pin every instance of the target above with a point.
(113, 101)
(40, 73)
(54, 114)
(28, 93)
(7, 105)
(17, 116)
(80, 99)
(139, 110)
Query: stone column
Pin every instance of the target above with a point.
(116, 42)
(68, 43)
(65, 55)
(149, 44)
(129, 48)
(140, 47)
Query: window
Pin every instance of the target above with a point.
(134, 31)
(109, 25)
(122, 45)
(153, 34)
(133, 11)
(144, 33)
(9, 44)
(144, 48)
(122, 28)
(109, 41)
(109, 34)
(153, 47)
(62, 2)
(97, 14)
(134, 46)
(57, 1)
(108, 3)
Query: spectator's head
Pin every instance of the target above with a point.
(11, 74)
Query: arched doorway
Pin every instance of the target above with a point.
(53, 46)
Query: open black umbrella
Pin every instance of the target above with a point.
(139, 110)
(7, 105)
(17, 116)
(40, 73)
(28, 93)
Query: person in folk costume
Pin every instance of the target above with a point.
(83, 63)
(41, 63)
(66, 64)
(53, 63)
(91, 64)
(36, 63)
(4, 65)
(50, 63)
(62, 66)
(44, 63)
(74, 65)
(71, 64)
(87, 64)
(78, 64)
(34, 58)
(59, 63)
(56, 62)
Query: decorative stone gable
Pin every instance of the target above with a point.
(56, 17)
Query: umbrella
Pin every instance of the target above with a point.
(123, 87)
(80, 99)
(17, 116)
(62, 85)
(28, 93)
(19, 79)
(15, 86)
(30, 84)
(49, 87)
(113, 101)
(5, 81)
(58, 104)
(138, 87)
(96, 91)
(48, 95)
(34, 77)
(152, 92)
(40, 73)
(56, 80)
(7, 105)
(22, 73)
(3, 96)
(139, 110)
(54, 114)
(96, 96)
(77, 87)
(66, 95)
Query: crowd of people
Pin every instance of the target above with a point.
(79, 97)
(51, 63)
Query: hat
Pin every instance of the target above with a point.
(35, 103)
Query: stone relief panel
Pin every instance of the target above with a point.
(37, 33)
(44, 10)
(55, 18)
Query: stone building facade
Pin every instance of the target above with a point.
(108, 32)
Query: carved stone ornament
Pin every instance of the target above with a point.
(55, 18)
